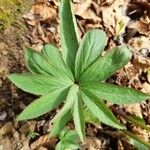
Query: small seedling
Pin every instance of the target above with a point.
(120, 27)
(75, 77)
(32, 135)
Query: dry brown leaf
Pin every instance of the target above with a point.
(129, 76)
(42, 148)
(81, 7)
(146, 88)
(134, 109)
(112, 15)
(139, 43)
(44, 141)
(141, 62)
(28, 126)
(92, 143)
(6, 129)
(40, 12)
(141, 51)
(141, 27)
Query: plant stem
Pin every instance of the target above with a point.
(132, 135)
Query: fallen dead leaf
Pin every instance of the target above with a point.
(146, 88)
(93, 143)
(44, 141)
(40, 12)
(77, 7)
(139, 43)
(6, 129)
(141, 62)
(112, 15)
(134, 109)
(28, 127)
(141, 27)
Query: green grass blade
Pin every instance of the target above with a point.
(100, 110)
(107, 65)
(79, 118)
(43, 105)
(68, 31)
(91, 46)
(89, 117)
(115, 94)
(38, 84)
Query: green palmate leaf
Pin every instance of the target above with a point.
(53, 54)
(141, 144)
(60, 123)
(68, 103)
(31, 63)
(67, 145)
(115, 94)
(79, 118)
(91, 46)
(137, 121)
(138, 145)
(68, 31)
(43, 65)
(68, 139)
(89, 117)
(43, 105)
(38, 84)
(69, 135)
(105, 66)
(99, 109)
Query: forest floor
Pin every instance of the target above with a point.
(124, 21)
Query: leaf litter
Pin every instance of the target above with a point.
(42, 20)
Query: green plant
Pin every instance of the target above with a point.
(68, 140)
(32, 135)
(75, 77)
(120, 28)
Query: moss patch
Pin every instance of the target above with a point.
(9, 11)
